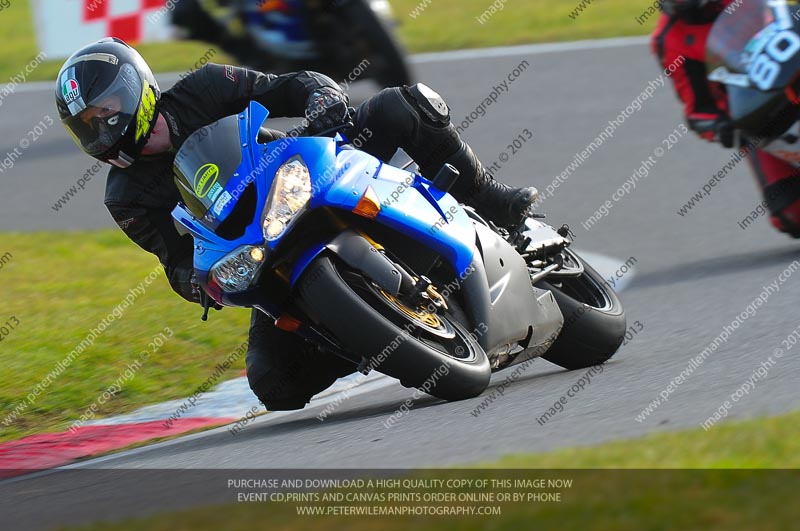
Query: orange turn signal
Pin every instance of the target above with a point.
(288, 323)
(271, 5)
(369, 205)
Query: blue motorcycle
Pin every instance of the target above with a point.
(378, 265)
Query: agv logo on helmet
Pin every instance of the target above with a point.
(71, 91)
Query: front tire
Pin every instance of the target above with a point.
(428, 351)
(594, 319)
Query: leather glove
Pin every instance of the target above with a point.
(326, 108)
(713, 127)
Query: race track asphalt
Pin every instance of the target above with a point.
(695, 274)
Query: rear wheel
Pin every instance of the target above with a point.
(594, 320)
(427, 350)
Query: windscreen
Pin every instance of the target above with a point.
(205, 163)
(734, 34)
(754, 50)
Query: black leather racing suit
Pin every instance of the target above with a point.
(282, 370)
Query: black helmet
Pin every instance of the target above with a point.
(688, 7)
(106, 96)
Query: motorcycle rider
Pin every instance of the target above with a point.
(110, 103)
(196, 20)
(682, 31)
(225, 23)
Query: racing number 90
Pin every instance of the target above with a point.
(781, 48)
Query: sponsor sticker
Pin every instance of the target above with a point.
(213, 194)
(222, 202)
(70, 91)
(205, 178)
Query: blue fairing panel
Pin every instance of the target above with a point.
(408, 204)
(340, 176)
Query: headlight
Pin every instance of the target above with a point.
(291, 191)
(237, 271)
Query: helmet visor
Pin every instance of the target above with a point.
(99, 123)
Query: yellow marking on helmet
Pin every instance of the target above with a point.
(147, 109)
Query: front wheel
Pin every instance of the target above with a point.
(594, 320)
(426, 350)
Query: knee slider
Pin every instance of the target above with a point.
(430, 106)
(419, 120)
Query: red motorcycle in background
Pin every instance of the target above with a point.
(754, 50)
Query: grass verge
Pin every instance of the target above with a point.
(424, 25)
(598, 499)
(60, 286)
(754, 444)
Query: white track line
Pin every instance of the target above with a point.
(369, 386)
(605, 265)
(443, 57)
(528, 49)
(374, 384)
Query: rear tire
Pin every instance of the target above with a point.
(434, 354)
(594, 320)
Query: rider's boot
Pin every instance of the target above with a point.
(504, 205)
(417, 119)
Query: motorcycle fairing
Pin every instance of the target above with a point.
(494, 277)
(498, 294)
(338, 176)
(416, 209)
